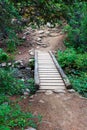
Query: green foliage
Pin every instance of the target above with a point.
(67, 58)
(3, 56)
(11, 119)
(8, 29)
(75, 66)
(79, 83)
(9, 84)
(32, 87)
(77, 20)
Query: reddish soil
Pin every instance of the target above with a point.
(59, 111)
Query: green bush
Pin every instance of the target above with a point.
(79, 83)
(77, 31)
(67, 58)
(71, 59)
(9, 84)
(3, 56)
(11, 117)
(32, 87)
(75, 66)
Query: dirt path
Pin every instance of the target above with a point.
(62, 111)
(40, 39)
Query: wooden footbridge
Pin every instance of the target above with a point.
(48, 73)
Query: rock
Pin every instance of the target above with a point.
(19, 53)
(38, 39)
(47, 32)
(31, 60)
(41, 101)
(3, 64)
(41, 91)
(26, 93)
(31, 52)
(39, 43)
(71, 90)
(49, 25)
(27, 68)
(22, 80)
(59, 91)
(41, 32)
(24, 37)
(41, 36)
(27, 90)
(9, 64)
(19, 64)
(48, 92)
(30, 128)
(5, 103)
(26, 33)
(44, 45)
(37, 47)
(31, 97)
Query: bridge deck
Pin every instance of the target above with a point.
(47, 73)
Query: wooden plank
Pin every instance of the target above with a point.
(52, 87)
(50, 78)
(52, 84)
(46, 73)
(36, 75)
(65, 78)
(51, 81)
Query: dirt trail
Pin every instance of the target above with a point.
(61, 111)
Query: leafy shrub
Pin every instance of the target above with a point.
(75, 66)
(31, 86)
(77, 20)
(67, 58)
(79, 83)
(3, 56)
(71, 59)
(11, 119)
(9, 84)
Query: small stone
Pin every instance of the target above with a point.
(24, 37)
(38, 39)
(27, 90)
(26, 93)
(30, 128)
(48, 92)
(19, 53)
(47, 32)
(3, 64)
(71, 90)
(5, 103)
(31, 53)
(59, 91)
(31, 97)
(41, 32)
(44, 45)
(31, 60)
(39, 43)
(41, 36)
(49, 25)
(41, 101)
(27, 68)
(37, 47)
(26, 33)
(41, 91)
(9, 64)
(22, 80)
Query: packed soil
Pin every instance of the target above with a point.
(61, 111)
